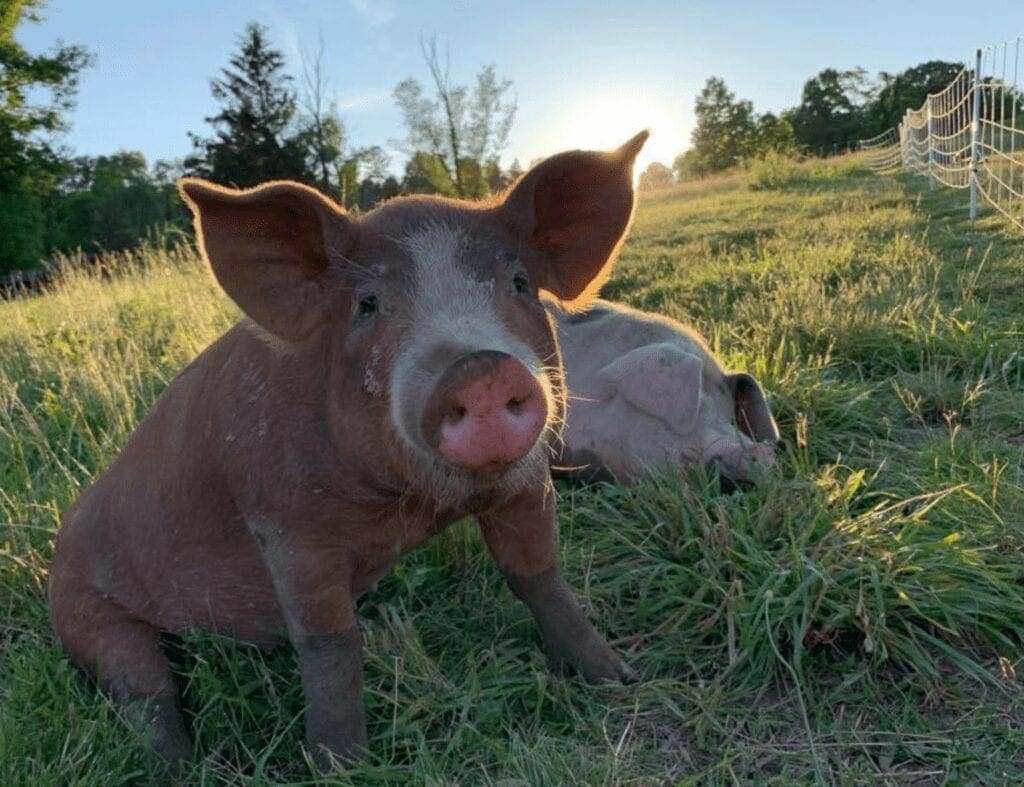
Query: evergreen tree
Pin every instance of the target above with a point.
(255, 139)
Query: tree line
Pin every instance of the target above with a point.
(837, 108)
(269, 124)
(272, 124)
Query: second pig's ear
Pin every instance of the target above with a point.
(571, 213)
(660, 380)
(267, 247)
(753, 416)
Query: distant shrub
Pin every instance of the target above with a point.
(780, 171)
(776, 171)
(839, 168)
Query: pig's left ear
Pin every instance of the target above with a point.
(571, 213)
(752, 414)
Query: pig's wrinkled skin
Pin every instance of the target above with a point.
(645, 392)
(394, 372)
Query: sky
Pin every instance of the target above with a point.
(586, 74)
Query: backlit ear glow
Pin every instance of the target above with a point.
(266, 247)
(572, 212)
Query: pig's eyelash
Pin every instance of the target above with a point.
(351, 270)
(334, 252)
(360, 277)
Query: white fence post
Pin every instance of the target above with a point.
(928, 148)
(975, 132)
(904, 147)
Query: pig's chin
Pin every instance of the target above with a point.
(455, 488)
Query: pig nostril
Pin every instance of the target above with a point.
(515, 405)
(455, 414)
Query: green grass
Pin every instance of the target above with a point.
(857, 619)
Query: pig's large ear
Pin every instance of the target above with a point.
(660, 380)
(752, 414)
(267, 247)
(571, 213)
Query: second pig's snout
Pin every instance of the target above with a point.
(486, 412)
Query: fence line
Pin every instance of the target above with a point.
(969, 135)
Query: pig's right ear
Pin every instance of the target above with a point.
(571, 213)
(753, 416)
(267, 247)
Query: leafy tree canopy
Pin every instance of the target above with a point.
(36, 92)
(907, 90)
(831, 110)
(655, 176)
(728, 132)
(455, 135)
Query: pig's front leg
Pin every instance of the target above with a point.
(521, 537)
(313, 585)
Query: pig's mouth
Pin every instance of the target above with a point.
(740, 464)
(457, 488)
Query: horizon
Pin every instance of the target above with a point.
(582, 81)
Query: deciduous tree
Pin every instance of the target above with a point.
(907, 90)
(454, 134)
(725, 135)
(832, 113)
(36, 93)
(656, 176)
(111, 203)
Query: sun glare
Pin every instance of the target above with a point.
(608, 117)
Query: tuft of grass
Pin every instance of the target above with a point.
(855, 618)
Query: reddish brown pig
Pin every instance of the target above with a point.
(393, 372)
(646, 392)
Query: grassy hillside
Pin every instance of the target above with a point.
(858, 618)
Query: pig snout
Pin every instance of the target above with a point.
(486, 412)
(743, 462)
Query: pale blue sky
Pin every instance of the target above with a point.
(586, 74)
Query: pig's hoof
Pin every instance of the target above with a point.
(598, 664)
(338, 756)
(627, 674)
(176, 750)
(617, 671)
(159, 716)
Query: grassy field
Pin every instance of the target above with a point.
(857, 619)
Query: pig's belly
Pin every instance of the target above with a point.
(222, 583)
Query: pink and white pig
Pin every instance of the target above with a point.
(645, 392)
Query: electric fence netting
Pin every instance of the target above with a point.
(970, 135)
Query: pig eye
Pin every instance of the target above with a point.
(367, 305)
(520, 282)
